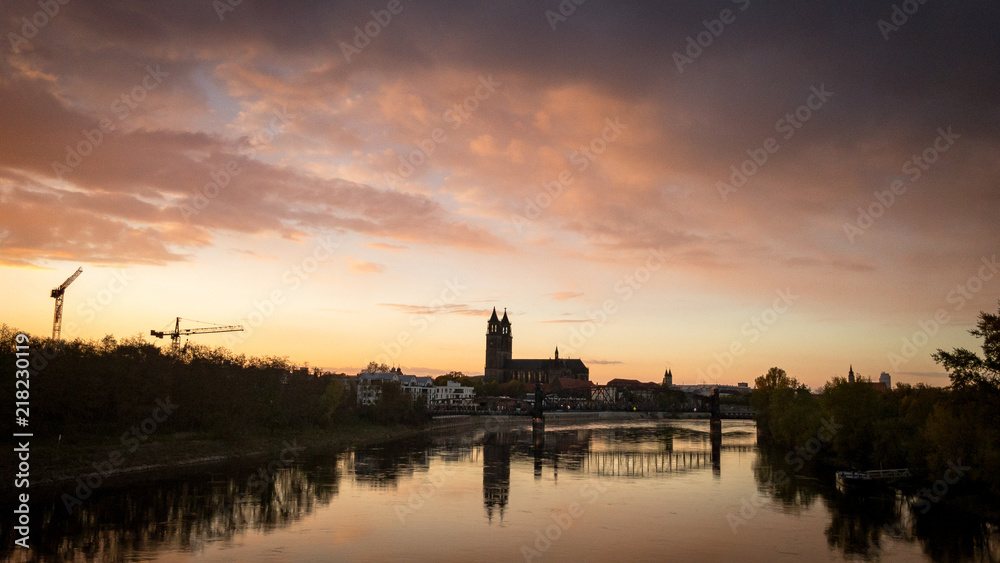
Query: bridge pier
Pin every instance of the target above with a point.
(537, 416)
(538, 424)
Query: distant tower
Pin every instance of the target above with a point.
(850, 374)
(885, 378)
(668, 378)
(498, 347)
(557, 348)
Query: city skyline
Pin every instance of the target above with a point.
(714, 188)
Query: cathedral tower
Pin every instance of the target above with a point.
(498, 347)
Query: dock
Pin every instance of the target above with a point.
(849, 478)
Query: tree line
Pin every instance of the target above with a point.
(84, 389)
(926, 429)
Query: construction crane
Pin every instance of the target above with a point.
(175, 335)
(58, 293)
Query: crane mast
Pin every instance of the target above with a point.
(58, 294)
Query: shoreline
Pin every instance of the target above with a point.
(54, 466)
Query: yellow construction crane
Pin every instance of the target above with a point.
(58, 293)
(175, 335)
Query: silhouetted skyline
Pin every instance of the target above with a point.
(711, 187)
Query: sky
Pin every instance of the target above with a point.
(711, 187)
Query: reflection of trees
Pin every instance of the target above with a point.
(116, 523)
(867, 524)
(947, 534)
(861, 523)
(776, 479)
(382, 466)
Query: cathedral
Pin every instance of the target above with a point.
(500, 366)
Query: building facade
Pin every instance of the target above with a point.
(501, 367)
(452, 393)
(370, 386)
(420, 388)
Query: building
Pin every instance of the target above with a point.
(370, 385)
(632, 389)
(418, 387)
(885, 378)
(452, 393)
(501, 367)
(668, 378)
(850, 375)
(705, 389)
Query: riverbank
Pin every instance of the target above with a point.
(54, 464)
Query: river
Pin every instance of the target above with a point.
(650, 490)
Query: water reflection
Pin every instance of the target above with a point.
(189, 512)
(871, 524)
(179, 512)
(496, 472)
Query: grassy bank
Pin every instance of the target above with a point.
(53, 463)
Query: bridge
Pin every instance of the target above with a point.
(648, 397)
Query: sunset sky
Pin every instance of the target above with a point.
(368, 182)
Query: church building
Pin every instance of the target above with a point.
(501, 368)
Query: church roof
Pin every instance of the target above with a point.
(631, 383)
(494, 318)
(505, 320)
(570, 383)
(575, 365)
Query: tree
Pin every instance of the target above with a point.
(452, 376)
(782, 405)
(375, 367)
(332, 397)
(966, 369)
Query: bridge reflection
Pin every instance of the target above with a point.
(643, 452)
(650, 464)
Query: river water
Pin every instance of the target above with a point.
(588, 491)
